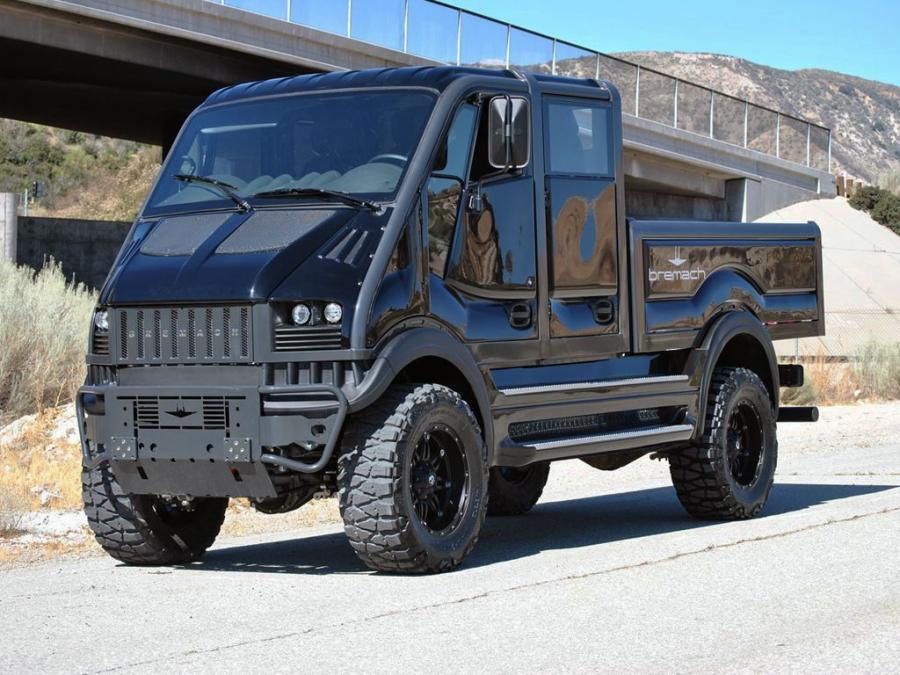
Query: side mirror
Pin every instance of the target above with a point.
(509, 138)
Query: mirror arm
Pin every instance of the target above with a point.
(507, 133)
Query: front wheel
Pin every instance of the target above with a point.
(413, 480)
(729, 474)
(149, 529)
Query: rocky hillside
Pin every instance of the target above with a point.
(84, 176)
(864, 115)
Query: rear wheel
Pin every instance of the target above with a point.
(729, 474)
(149, 529)
(413, 480)
(515, 491)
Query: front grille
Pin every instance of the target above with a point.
(184, 335)
(204, 413)
(100, 343)
(304, 338)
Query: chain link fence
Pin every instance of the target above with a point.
(848, 332)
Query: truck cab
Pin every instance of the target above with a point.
(416, 288)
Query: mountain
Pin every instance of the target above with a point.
(864, 115)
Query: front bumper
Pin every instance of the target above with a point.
(206, 440)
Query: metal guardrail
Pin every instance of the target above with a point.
(447, 34)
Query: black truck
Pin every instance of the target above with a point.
(416, 288)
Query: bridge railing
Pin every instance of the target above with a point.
(447, 34)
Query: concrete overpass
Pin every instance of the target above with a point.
(135, 68)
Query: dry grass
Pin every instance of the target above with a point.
(41, 470)
(871, 374)
(43, 338)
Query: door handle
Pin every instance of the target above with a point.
(604, 311)
(520, 315)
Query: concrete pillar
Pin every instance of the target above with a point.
(9, 226)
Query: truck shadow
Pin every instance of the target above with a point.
(556, 525)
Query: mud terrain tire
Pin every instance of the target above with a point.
(145, 530)
(729, 474)
(412, 480)
(515, 491)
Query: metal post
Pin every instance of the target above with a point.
(675, 107)
(287, 10)
(808, 133)
(746, 120)
(458, 36)
(349, 18)
(9, 226)
(25, 203)
(553, 61)
(712, 113)
(829, 151)
(406, 26)
(637, 92)
(597, 75)
(778, 135)
(508, 33)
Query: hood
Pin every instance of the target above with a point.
(217, 257)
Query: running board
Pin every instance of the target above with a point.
(521, 454)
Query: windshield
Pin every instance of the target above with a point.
(355, 143)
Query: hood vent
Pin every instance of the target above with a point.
(182, 235)
(272, 230)
(347, 247)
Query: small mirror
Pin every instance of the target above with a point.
(508, 133)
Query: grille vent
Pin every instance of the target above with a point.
(206, 413)
(100, 343)
(184, 335)
(304, 338)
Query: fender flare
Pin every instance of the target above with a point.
(703, 358)
(416, 343)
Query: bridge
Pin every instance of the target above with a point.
(135, 68)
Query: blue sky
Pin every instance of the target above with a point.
(860, 38)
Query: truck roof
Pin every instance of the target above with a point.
(433, 77)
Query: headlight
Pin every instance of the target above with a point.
(300, 314)
(333, 312)
(101, 320)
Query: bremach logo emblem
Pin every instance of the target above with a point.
(693, 274)
(180, 412)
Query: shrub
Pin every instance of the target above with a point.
(43, 334)
(866, 198)
(877, 370)
(882, 205)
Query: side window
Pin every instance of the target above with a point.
(494, 247)
(445, 187)
(577, 138)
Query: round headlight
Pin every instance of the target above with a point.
(300, 314)
(101, 320)
(333, 312)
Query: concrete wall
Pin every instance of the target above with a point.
(86, 248)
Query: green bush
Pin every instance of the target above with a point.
(43, 338)
(882, 205)
(877, 366)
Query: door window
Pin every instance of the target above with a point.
(577, 138)
(445, 186)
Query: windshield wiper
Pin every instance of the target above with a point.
(321, 192)
(226, 189)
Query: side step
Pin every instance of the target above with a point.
(517, 454)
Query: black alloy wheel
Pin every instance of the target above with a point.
(438, 478)
(744, 443)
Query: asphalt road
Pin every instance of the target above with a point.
(606, 574)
